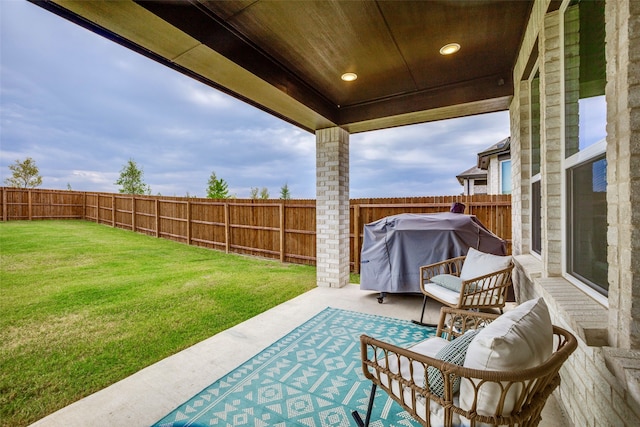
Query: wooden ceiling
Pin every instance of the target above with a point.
(286, 57)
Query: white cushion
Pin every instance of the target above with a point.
(443, 294)
(451, 282)
(478, 264)
(519, 339)
(450, 297)
(429, 347)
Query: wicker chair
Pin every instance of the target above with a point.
(488, 291)
(526, 389)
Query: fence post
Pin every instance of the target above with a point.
(97, 208)
(188, 222)
(157, 217)
(356, 238)
(227, 231)
(113, 210)
(30, 207)
(4, 204)
(133, 213)
(282, 232)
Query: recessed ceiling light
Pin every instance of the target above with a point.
(450, 48)
(349, 77)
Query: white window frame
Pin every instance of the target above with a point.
(582, 156)
(536, 177)
(501, 176)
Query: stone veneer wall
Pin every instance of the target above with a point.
(623, 170)
(591, 392)
(551, 103)
(601, 380)
(493, 176)
(521, 169)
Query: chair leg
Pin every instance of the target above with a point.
(356, 415)
(421, 321)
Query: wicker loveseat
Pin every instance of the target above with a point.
(427, 387)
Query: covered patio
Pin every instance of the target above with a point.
(575, 192)
(145, 397)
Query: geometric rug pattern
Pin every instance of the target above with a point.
(312, 377)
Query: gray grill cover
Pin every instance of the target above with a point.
(394, 248)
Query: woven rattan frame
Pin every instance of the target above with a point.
(488, 291)
(537, 383)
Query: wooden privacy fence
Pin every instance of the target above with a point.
(277, 229)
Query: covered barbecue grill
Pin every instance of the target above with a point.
(394, 248)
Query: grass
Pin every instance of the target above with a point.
(85, 305)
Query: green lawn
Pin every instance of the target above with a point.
(85, 305)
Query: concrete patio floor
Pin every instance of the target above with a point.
(148, 395)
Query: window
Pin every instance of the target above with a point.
(535, 124)
(585, 75)
(588, 223)
(536, 218)
(585, 131)
(536, 195)
(505, 177)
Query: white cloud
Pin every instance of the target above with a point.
(203, 96)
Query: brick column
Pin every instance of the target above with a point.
(519, 114)
(623, 171)
(551, 100)
(332, 207)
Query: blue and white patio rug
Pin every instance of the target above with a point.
(312, 377)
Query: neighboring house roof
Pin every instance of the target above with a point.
(480, 171)
(497, 149)
(473, 172)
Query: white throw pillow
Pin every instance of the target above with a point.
(519, 339)
(478, 264)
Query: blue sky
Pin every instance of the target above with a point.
(81, 106)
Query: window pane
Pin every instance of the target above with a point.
(585, 75)
(588, 223)
(505, 177)
(536, 218)
(593, 120)
(535, 124)
(536, 202)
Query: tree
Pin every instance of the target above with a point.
(217, 188)
(264, 193)
(259, 193)
(131, 181)
(24, 174)
(284, 192)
